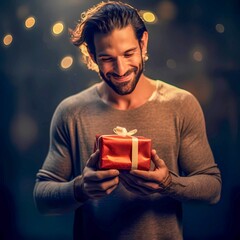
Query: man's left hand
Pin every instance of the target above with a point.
(148, 182)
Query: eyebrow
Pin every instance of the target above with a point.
(127, 51)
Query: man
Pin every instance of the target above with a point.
(113, 204)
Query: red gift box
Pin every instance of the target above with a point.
(124, 152)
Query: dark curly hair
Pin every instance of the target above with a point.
(104, 18)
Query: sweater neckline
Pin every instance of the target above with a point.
(150, 100)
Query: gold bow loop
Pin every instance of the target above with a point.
(121, 131)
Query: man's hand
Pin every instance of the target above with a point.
(148, 182)
(95, 183)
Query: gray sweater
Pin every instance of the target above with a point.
(173, 119)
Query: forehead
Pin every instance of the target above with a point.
(119, 40)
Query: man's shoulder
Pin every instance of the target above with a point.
(177, 99)
(169, 92)
(80, 100)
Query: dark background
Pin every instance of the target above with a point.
(32, 84)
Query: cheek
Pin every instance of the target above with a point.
(136, 60)
(105, 67)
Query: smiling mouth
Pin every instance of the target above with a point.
(123, 78)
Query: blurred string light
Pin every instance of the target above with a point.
(66, 62)
(23, 11)
(201, 87)
(197, 55)
(220, 28)
(148, 16)
(171, 63)
(30, 22)
(167, 10)
(23, 131)
(7, 39)
(57, 28)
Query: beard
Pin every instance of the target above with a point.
(123, 88)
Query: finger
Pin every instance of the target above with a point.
(153, 186)
(146, 175)
(127, 177)
(100, 191)
(159, 163)
(92, 161)
(110, 190)
(132, 184)
(142, 182)
(91, 175)
(100, 194)
(151, 176)
(97, 194)
(101, 186)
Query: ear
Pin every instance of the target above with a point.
(144, 42)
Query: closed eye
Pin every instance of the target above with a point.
(127, 55)
(106, 59)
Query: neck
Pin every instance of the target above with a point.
(138, 97)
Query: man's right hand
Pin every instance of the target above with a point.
(94, 183)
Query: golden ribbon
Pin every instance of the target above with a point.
(121, 131)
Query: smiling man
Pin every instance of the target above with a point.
(114, 204)
(119, 57)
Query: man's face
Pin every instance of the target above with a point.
(119, 58)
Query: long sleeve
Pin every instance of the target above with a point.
(54, 197)
(201, 178)
(175, 123)
(54, 188)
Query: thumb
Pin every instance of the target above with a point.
(93, 160)
(159, 163)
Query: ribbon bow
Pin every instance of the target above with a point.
(121, 131)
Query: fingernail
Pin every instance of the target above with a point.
(154, 151)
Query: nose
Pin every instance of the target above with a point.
(120, 66)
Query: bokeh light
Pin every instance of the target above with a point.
(57, 28)
(23, 11)
(220, 28)
(193, 44)
(7, 40)
(30, 22)
(201, 87)
(149, 17)
(171, 63)
(167, 10)
(66, 62)
(24, 131)
(197, 56)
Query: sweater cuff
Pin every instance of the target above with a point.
(166, 183)
(79, 195)
(177, 186)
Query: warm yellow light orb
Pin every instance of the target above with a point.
(57, 28)
(220, 28)
(30, 22)
(198, 56)
(7, 40)
(149, 17)
(66, 62)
